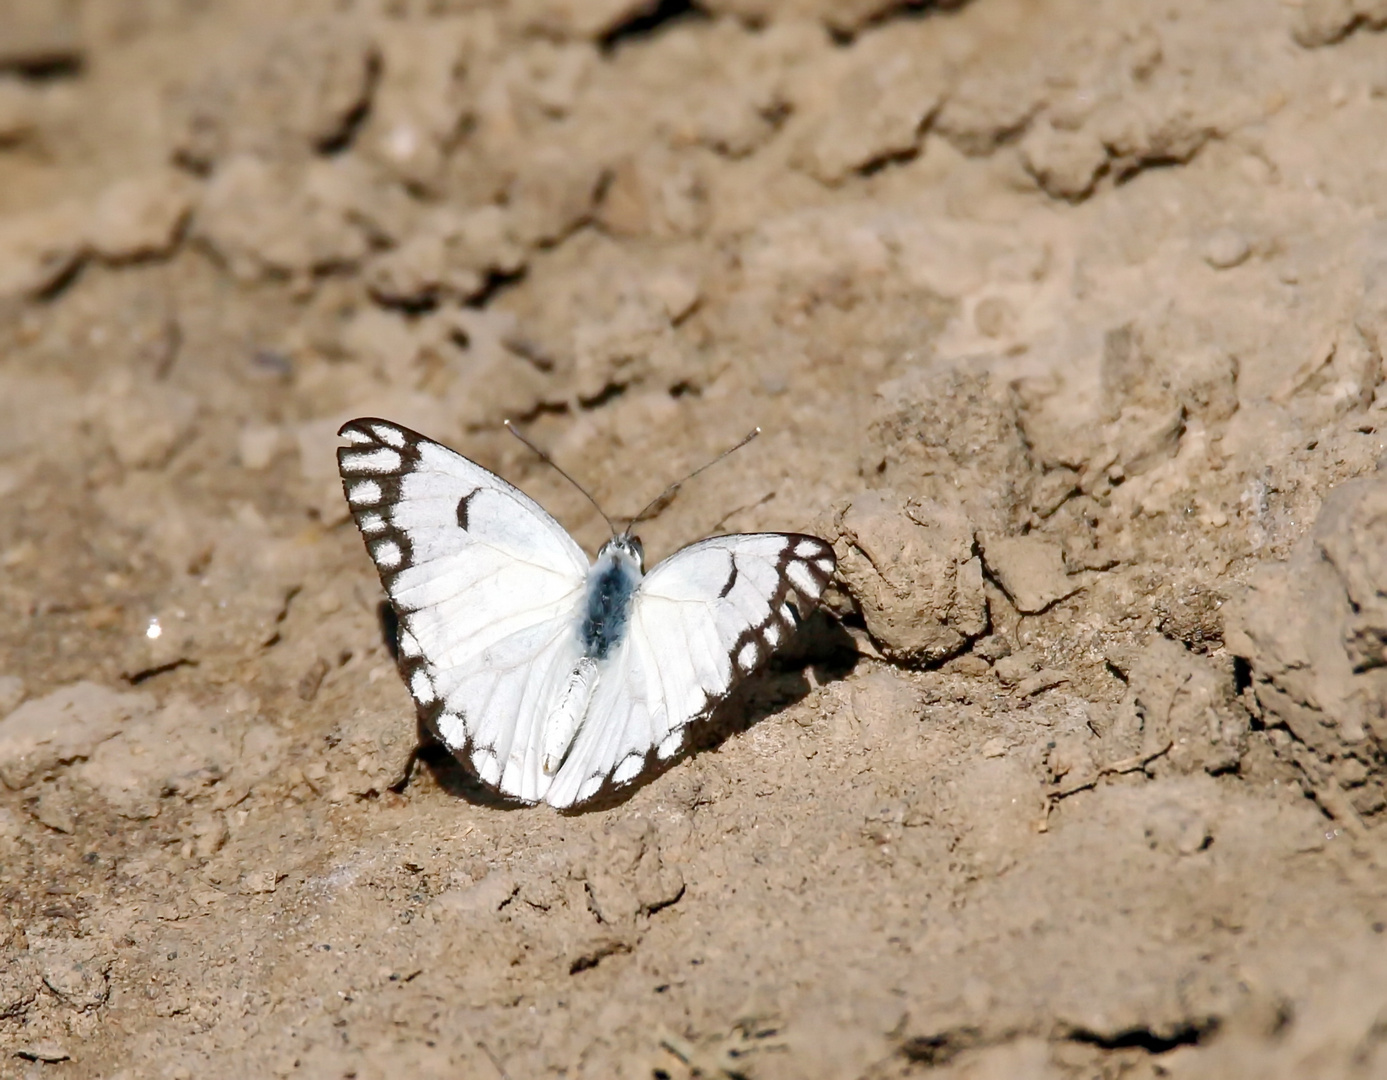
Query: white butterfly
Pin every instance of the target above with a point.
(553, 678)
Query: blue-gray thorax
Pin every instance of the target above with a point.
(612, 582)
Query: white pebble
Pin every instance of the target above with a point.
(1226, 248)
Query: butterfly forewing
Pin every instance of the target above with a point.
(702, 619)
(487, 587)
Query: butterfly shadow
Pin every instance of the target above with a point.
(821, 647)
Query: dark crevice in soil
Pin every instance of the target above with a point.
(603, 396)
(496, 283)
(342, 139)
(941, 1048)
(657, 18)
(1191, 1034)
(46, 68)
(161, 669)
(1242, 675)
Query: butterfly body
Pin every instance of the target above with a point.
(551, 677)
(612, 583)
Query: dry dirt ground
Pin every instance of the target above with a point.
(1065, 322)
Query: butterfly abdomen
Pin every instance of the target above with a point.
(562, 724)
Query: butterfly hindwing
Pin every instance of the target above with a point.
(700, 621)
(486, 585)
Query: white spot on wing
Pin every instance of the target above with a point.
(387, 434)
(409, 645)
(825, 564)
(746, 656)
(452, 730)
(421, 686)
(366, 493)
(671, 744)
(773, 634)
(629, 768)
(371, 523)
(802, 579)
(383, 460)
(354, 435)
(589, 788)
(807, 549)
(488, 768)
(387, 554)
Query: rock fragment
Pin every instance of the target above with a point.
(1313, 633)
(912, 572)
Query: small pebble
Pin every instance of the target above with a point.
(1226, 248)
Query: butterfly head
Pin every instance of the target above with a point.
(628, 545)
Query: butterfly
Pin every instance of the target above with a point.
(553, 678)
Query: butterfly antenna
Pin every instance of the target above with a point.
(551, 463)
(669, 492)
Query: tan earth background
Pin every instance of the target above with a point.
(1065, 322)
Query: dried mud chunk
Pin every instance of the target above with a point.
(875, 110)
(418, 110)
(995, 97)
(1166, 360)
(942, 432)
(1030, 570)
(1313, 632)
(1151, 128)
(73, 971)
(452, 255)
(1066, 164)
(291, 92)
(636, 343)
(1323, 22)
(1158, 375)
(19, 983)
(140, 216)
(912, 572)
(554, 191)
(1186, 701)
(66, 725)
(38, 249)
(264, 220)
(631, 877)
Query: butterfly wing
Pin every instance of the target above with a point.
(487, 587)
(705, 617)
